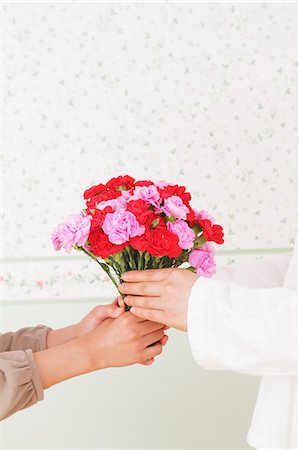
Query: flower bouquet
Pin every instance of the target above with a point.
(137, 225)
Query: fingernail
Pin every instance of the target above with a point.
(124, 276)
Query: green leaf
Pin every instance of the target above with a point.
(121, 188)
(155, 223)
(170, 219)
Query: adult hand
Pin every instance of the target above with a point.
(160, 295)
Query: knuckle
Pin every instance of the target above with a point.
(126, 319)
(168, 288)
(133, 335)
(175, 274)
(129, 299)
(123, 288)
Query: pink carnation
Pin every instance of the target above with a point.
(148, 193)
(208, 247)
(55, 237)
(74, 231)
(174, 206)
(162, 184)
(120, 226)
(185, 234)
(202, 215)
(117, 204)
(203, 261)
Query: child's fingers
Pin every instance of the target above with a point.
(119, 301)
(152, 351)
(117, 312)
(152, 338)
(150, 327)
(148, 362)
(164, 340)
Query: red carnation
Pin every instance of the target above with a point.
(98, 217)
(122, 183)
(101, 246)
(158, 242)
(163, 243)
(140, 209)
(191, 217)
(144, 183)
(140, 242)
(180, 191)
(102, 197)
(212, 232)
(94, 190)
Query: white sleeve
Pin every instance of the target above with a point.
(251, 272)
(242, 329)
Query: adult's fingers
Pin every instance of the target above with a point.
(144, 302)
(143, 288)
(136, 276)
(148, 314)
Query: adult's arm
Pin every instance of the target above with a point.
(245, 329)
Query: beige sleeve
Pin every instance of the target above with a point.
(34, 338)
(20, 384)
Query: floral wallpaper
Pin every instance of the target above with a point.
(202, 94)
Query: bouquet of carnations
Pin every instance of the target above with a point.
(137, 225)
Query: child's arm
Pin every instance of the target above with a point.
(116, 342)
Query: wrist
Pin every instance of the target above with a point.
(62, 335)
(94, 353)
(76, 361)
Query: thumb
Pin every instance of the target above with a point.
(119, 301)
(116, 311)
(102, 312)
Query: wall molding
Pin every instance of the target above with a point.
(70, 278)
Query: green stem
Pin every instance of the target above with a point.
(104, 266)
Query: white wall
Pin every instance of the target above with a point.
(173, 404)
(202, 94)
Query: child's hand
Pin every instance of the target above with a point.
(96, 316)
(89, 323)
(160, 295)
(115, 342)
(123, 341)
